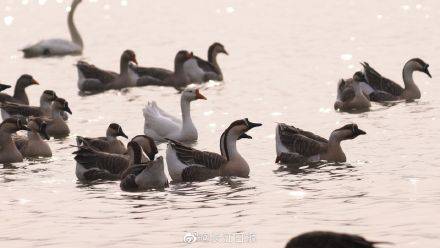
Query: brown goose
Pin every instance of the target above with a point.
(188, 164)
(8, 151)
(144, 176)
(14, 109)
(350, 96)
(20, 95)
(382, 89)
(93, 79)
(294, 145)
(199, 70)
(56, 125)
(320, 239)
(109, 143)
(58, 47)
(33, 144)
(93, 165)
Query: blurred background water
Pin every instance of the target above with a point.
(285, 59)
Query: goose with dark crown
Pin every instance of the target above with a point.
(188, 164)
(8, 151)
(294, 145)
(109, 143)
(382, 89)
(59, 47)
(20, 95)
(199, 70)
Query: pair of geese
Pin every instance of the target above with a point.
(187, 69)
(368, 86)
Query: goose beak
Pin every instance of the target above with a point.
(360, 132)
(427, 72)
(244, 136)
(252, 125)
(122, 134)
(35, 82)
(225, 52)
(200, 96)
(67, 109)
(4, 87)
(151, 156)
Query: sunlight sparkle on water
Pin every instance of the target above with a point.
(8, 20)
(297, 194)
(346, 56)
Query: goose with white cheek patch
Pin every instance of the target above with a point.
(145, 176)
(109, 143)
(59, 47)
(20, 95)
(199, 70)
(161, 126)
(94, 165)
(324, 239)
(8, 151)
(350, 96)
(20, 110)
(34, 144)
(294, 145)
(93, 79)
(382, 89)
(56, 125)
(188, 164)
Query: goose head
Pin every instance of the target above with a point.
(12, 125)
(181, 57)
(115, 130)
(239, 128)
(48, 96)
(217, 48)
(349, 131)
(60, 104)
(359, 77)
(26, 80)
(37, 125)
(134, 151)
(189, 95)
(418, 65)
(147, 144)
(128, 56)
(4, 87)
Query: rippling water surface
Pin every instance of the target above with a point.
(285, 59)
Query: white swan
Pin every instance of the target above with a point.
(58, 47)
(160, 126)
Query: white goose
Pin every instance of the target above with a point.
(160, 125)
(58, 47)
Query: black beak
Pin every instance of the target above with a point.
(121, 133)
(244, 136)
(252, 125)
(151, 156)
(225, 52)
(358, 132)
(427, 72)
(43, 132)
(67, 109)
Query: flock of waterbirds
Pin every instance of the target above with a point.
(137, 165)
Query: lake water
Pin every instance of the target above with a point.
(285, 59)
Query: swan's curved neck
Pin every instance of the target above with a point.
(411, 88)
(74, 34)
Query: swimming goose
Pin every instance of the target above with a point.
(144, 176)
(14, 109)
(144, 76)
(56, 125)
(350, 95)
(8, 151)
(199, 70)
(320, 239)
(109, 143)
(20, 95)
(93, 165)
(4, 87)
(160, 126)
(148, 146)
(58, 47)
(188, 164)
(93, 79)
(33, 145)
(294, 144)
(382, 89)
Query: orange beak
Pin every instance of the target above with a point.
(34, 82)
(200, 96)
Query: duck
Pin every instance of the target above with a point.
(350, 95)
(294, 145)
(94, 79)
(382, 89)
(188, 164)
(144, 176)
(109, 143)
(4, 87)
(160, 125)
(59, 47)
(199, 70)
(326, 239)
(56, 125)
(92, 164)
(33, 145)
(15, 109)
(20, 95)
(8, 151)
